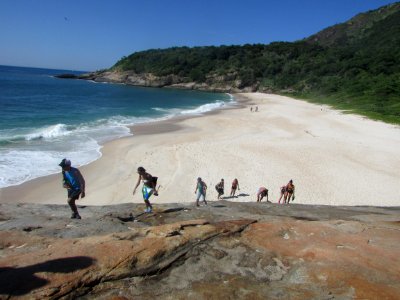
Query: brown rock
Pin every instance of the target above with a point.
(293, 251)
(335, 255)
(63, 267)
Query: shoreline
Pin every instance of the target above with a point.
(157, 126)
(138, 126)
(286, 139)
(173, 123)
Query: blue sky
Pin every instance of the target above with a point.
(94, 34)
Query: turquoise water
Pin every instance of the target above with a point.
(44, 119)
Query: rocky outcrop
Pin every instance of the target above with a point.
(223, 251)
(214, 83)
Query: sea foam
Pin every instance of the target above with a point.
(173, 112)
(18, 166)
(48, 132)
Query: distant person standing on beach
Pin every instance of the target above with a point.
(261, 193)
(201, 189)
(74, 182)
(289, 192)
(148, 189)
(220, 188)
(235, 185)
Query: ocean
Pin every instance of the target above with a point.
(44, 119)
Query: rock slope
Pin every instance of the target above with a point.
(225, 250)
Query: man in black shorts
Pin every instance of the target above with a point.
(74, 182)
(220, 188)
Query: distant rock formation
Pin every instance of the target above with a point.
(228, 250)
(226, 83)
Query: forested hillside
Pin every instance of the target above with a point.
(353, 66)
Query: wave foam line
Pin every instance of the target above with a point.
(195, 111)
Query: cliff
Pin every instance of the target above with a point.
(222, 251)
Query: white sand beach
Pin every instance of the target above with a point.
(332, 157)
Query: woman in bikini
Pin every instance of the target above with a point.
(289, 192)
(261, 193)
(235, 185)
(283, 190)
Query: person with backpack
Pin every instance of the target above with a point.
(148, 189)
(200, 191)
(74, 182)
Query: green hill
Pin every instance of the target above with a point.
(353, 66)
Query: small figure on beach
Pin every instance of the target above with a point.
(251, 108)
(289, 192)
(235, 185)
(200, 191)
(74, 182)
(261, 193)
(256, 109)
(220, 188)
(148, 189)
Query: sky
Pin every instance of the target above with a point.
(89, 35)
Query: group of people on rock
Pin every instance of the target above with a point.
(201, 189)
(74, 182)
(287, 191)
